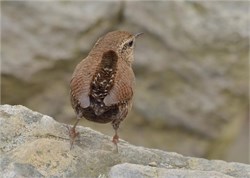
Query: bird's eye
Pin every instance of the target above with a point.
(130, 44)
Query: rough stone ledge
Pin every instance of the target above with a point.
(35, 145)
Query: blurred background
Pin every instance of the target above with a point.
(191, 66)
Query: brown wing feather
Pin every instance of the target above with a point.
(122, 90)
(80, 83)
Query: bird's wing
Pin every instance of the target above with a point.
(80, 83)
(122, 90)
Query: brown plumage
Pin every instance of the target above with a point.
(102, 84)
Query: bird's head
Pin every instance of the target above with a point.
(121, 42)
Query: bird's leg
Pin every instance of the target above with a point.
(116, 140)
(72, 133)
(116, 137)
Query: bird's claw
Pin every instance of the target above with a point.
(115, 141)
(72, 135)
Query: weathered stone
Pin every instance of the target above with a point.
(37, 34)
(127, 170)
(35, 145)
(194, 26)
(189, 69)
(195, 79)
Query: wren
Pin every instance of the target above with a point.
(102, 85)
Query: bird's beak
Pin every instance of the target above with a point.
(138, 34)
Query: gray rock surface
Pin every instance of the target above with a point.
(195, 77)
(191, 66)
(139, 171)
(194, 26)
(35, 145)
(52, 31)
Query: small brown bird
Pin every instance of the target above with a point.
(102, 84)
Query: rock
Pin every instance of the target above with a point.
(194, 26)
(133, 170)
(194, 79)
(190, 73)
(52, 31)
(35, 145)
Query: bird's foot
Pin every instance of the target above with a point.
(115, 141)
(72, 135)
